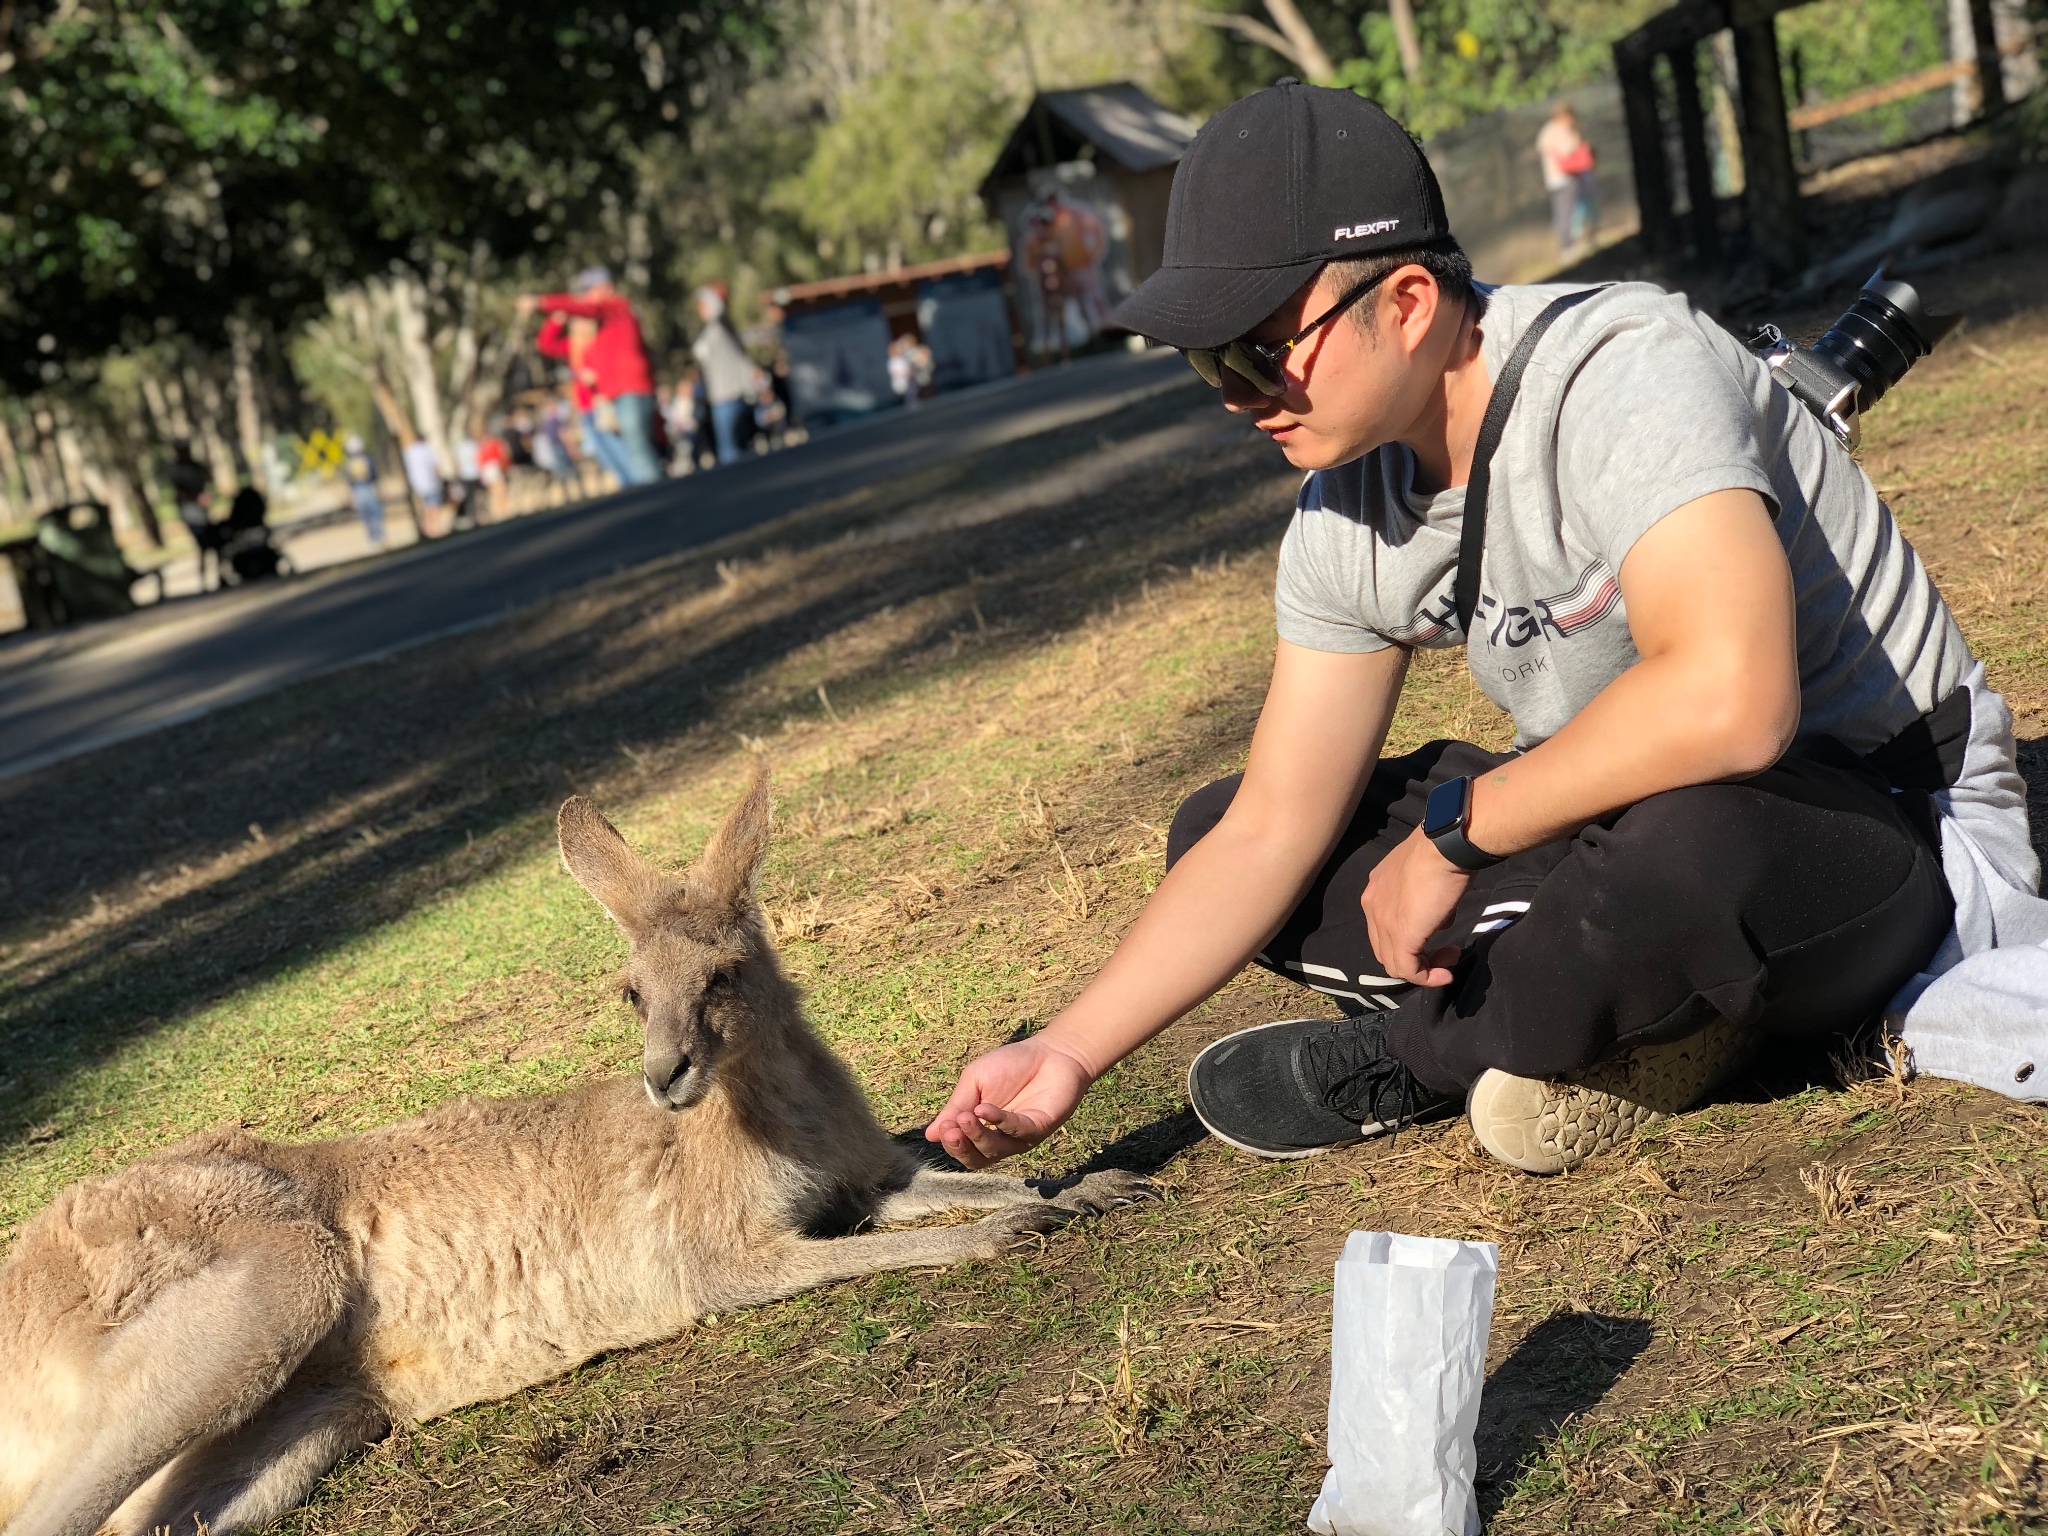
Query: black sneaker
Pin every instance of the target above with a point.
(1304, 1086)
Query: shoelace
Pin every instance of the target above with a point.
(1354, 1071)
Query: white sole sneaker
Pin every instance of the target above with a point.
(1542, 1126)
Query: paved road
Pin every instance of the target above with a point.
(79, 690)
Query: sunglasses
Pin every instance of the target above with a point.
(1264, 363)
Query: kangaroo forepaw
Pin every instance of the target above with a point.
(1104, 1191)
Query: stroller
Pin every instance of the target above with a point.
(245, 548)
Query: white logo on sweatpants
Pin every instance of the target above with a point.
(1360, 231)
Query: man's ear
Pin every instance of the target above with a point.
(724, 875)
(1415, 298)
(625, 885)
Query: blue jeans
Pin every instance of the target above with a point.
(635, 440)
(606, 448)
(369, 507)
(725, 425)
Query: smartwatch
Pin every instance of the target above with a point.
(1443, 823)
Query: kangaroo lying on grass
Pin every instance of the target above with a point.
(200, 1337)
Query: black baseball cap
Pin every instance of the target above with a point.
(1274, 186)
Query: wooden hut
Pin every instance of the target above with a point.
(837, 331)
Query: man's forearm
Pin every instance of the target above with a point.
(1215, 909)
(569, 304)
(1654, 728)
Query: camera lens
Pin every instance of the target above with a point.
(1883, 334)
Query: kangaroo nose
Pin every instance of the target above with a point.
(663, 1076)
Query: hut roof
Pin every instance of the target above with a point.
(1118, 120)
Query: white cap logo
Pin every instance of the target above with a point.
(1360, 231)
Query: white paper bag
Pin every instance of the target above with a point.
(1408, 1336)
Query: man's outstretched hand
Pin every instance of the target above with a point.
(1008, 1101)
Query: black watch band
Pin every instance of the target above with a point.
(1444, 819)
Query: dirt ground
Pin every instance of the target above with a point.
(1815, 1305)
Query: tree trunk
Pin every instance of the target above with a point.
(11, 510)
(462, 364)
(131, 459)
(85, 461)
(1406, 43)
(34, 479)
(56, 485)
(407, 299)
(1307, 49)
(248, 407)
(199, 402)
(170, 423)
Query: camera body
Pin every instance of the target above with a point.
(1862, 355)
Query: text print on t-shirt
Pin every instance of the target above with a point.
(1590, 599)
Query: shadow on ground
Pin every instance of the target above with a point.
(1562, 1367)
(142, 882)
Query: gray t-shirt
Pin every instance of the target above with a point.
(1633, 405)
(728, 371)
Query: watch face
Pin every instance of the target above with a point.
(1445, 809)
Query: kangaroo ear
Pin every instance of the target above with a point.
(725, 873)
(625, 885)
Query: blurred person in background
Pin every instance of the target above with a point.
(567, 339)
(781, 385)
(550, 451)
(903, 372)
(494, 469)
(191, 484)
(360, 471)
(1567, 160)
(728, 371)
(423, 475)
(704, 446)
(616, 364)
(679, 408)
(468, 479)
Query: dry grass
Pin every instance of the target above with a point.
(1817, 1306)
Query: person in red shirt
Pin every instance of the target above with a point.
(615, 366)
(568, 340)
(494, 468)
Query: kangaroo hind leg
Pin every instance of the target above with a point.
(250, 1476)
(160, 1307)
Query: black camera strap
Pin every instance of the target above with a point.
(1472, 537)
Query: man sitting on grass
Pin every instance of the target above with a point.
(1742, 709)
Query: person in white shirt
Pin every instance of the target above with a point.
(1567, 161)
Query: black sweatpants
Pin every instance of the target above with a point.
(1797, 901)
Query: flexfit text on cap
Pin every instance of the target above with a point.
(1274, 186)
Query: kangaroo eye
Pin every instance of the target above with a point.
(723, 979)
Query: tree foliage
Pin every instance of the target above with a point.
(180, 161)
(893, 172)
(867, 144)
(1480, 55)
(1838, 46)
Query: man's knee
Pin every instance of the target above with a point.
(1197, 814)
